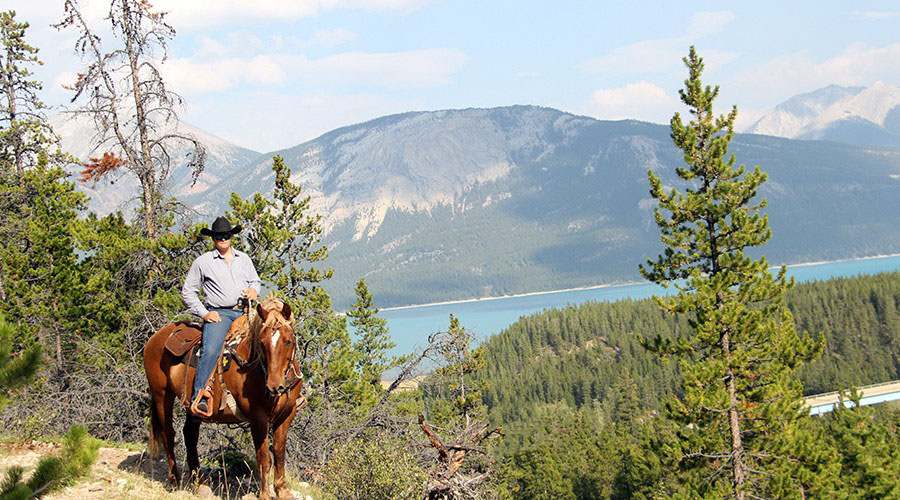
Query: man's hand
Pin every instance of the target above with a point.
(250, 294)
(212, 317)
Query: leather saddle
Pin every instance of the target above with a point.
(183, 343)
(185, 336)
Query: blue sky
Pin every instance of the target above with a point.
(269, 74)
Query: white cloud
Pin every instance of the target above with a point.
(330, 38)
(268, 121)
(190, 77)
(661, 53)
(708, 23)
(639, 101)
(205, 13)
(874, 14)
(414, 68)
(410, 69)
(798, 72)
(636, 58)
(746, 116)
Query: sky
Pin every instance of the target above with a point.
(271, 74)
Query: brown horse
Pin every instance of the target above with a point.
(263, 379)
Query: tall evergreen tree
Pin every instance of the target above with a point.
(23, 130)
(374, 340)
(738, 361)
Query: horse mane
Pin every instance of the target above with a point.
(273, 305)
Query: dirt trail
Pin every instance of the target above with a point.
(119, 473)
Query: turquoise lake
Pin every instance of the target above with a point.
(410, 326)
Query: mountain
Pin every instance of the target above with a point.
(120, 193)
(432, 206)
(856, 115)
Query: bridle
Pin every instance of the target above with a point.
(292, 375)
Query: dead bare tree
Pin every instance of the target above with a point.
(447, 478)
(125, 96)
(464, 460)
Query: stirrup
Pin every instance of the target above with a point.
(207, 393)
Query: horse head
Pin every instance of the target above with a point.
(275, 337)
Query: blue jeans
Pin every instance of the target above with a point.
(211, 346)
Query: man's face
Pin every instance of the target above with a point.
(222, 242)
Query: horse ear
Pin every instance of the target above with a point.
(286, 312)
(262, 312)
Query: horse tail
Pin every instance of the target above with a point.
(156, 431)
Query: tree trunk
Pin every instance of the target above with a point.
(738, 473)
(147, 177)
(737, 446)
(59, 362)
(16, 139)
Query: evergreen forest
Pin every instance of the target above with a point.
(585, 356)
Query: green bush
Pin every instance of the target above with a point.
(379, 468)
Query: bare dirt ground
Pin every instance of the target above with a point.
(120, 473)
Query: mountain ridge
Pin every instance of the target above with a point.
(857, 115)
(458, 204)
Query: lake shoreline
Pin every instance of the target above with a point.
(609, 285)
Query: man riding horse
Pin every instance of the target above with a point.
(225, 276)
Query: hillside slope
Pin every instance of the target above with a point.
(578, 356)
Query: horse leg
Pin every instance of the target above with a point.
(163, 404)
(191, 437)
(279, 443)
(259, 429)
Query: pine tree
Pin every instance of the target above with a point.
(374, 340)
(23, 128)
(37, 203)
(455, 403)
(282, 235)
(53, 471)
(868, 453)
(738, 361)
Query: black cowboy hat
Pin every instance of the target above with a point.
(221, 226)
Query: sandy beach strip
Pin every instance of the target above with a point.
(610, 285)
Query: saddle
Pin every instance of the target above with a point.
(183, 342)
(184, 338)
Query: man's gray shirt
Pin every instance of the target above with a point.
(220, 282)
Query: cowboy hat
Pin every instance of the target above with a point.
(221, 226)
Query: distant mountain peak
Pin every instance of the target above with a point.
(856, 115)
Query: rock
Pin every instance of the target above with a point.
(204, 491)
(249, 496)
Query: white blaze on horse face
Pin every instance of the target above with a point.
(275, 337)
